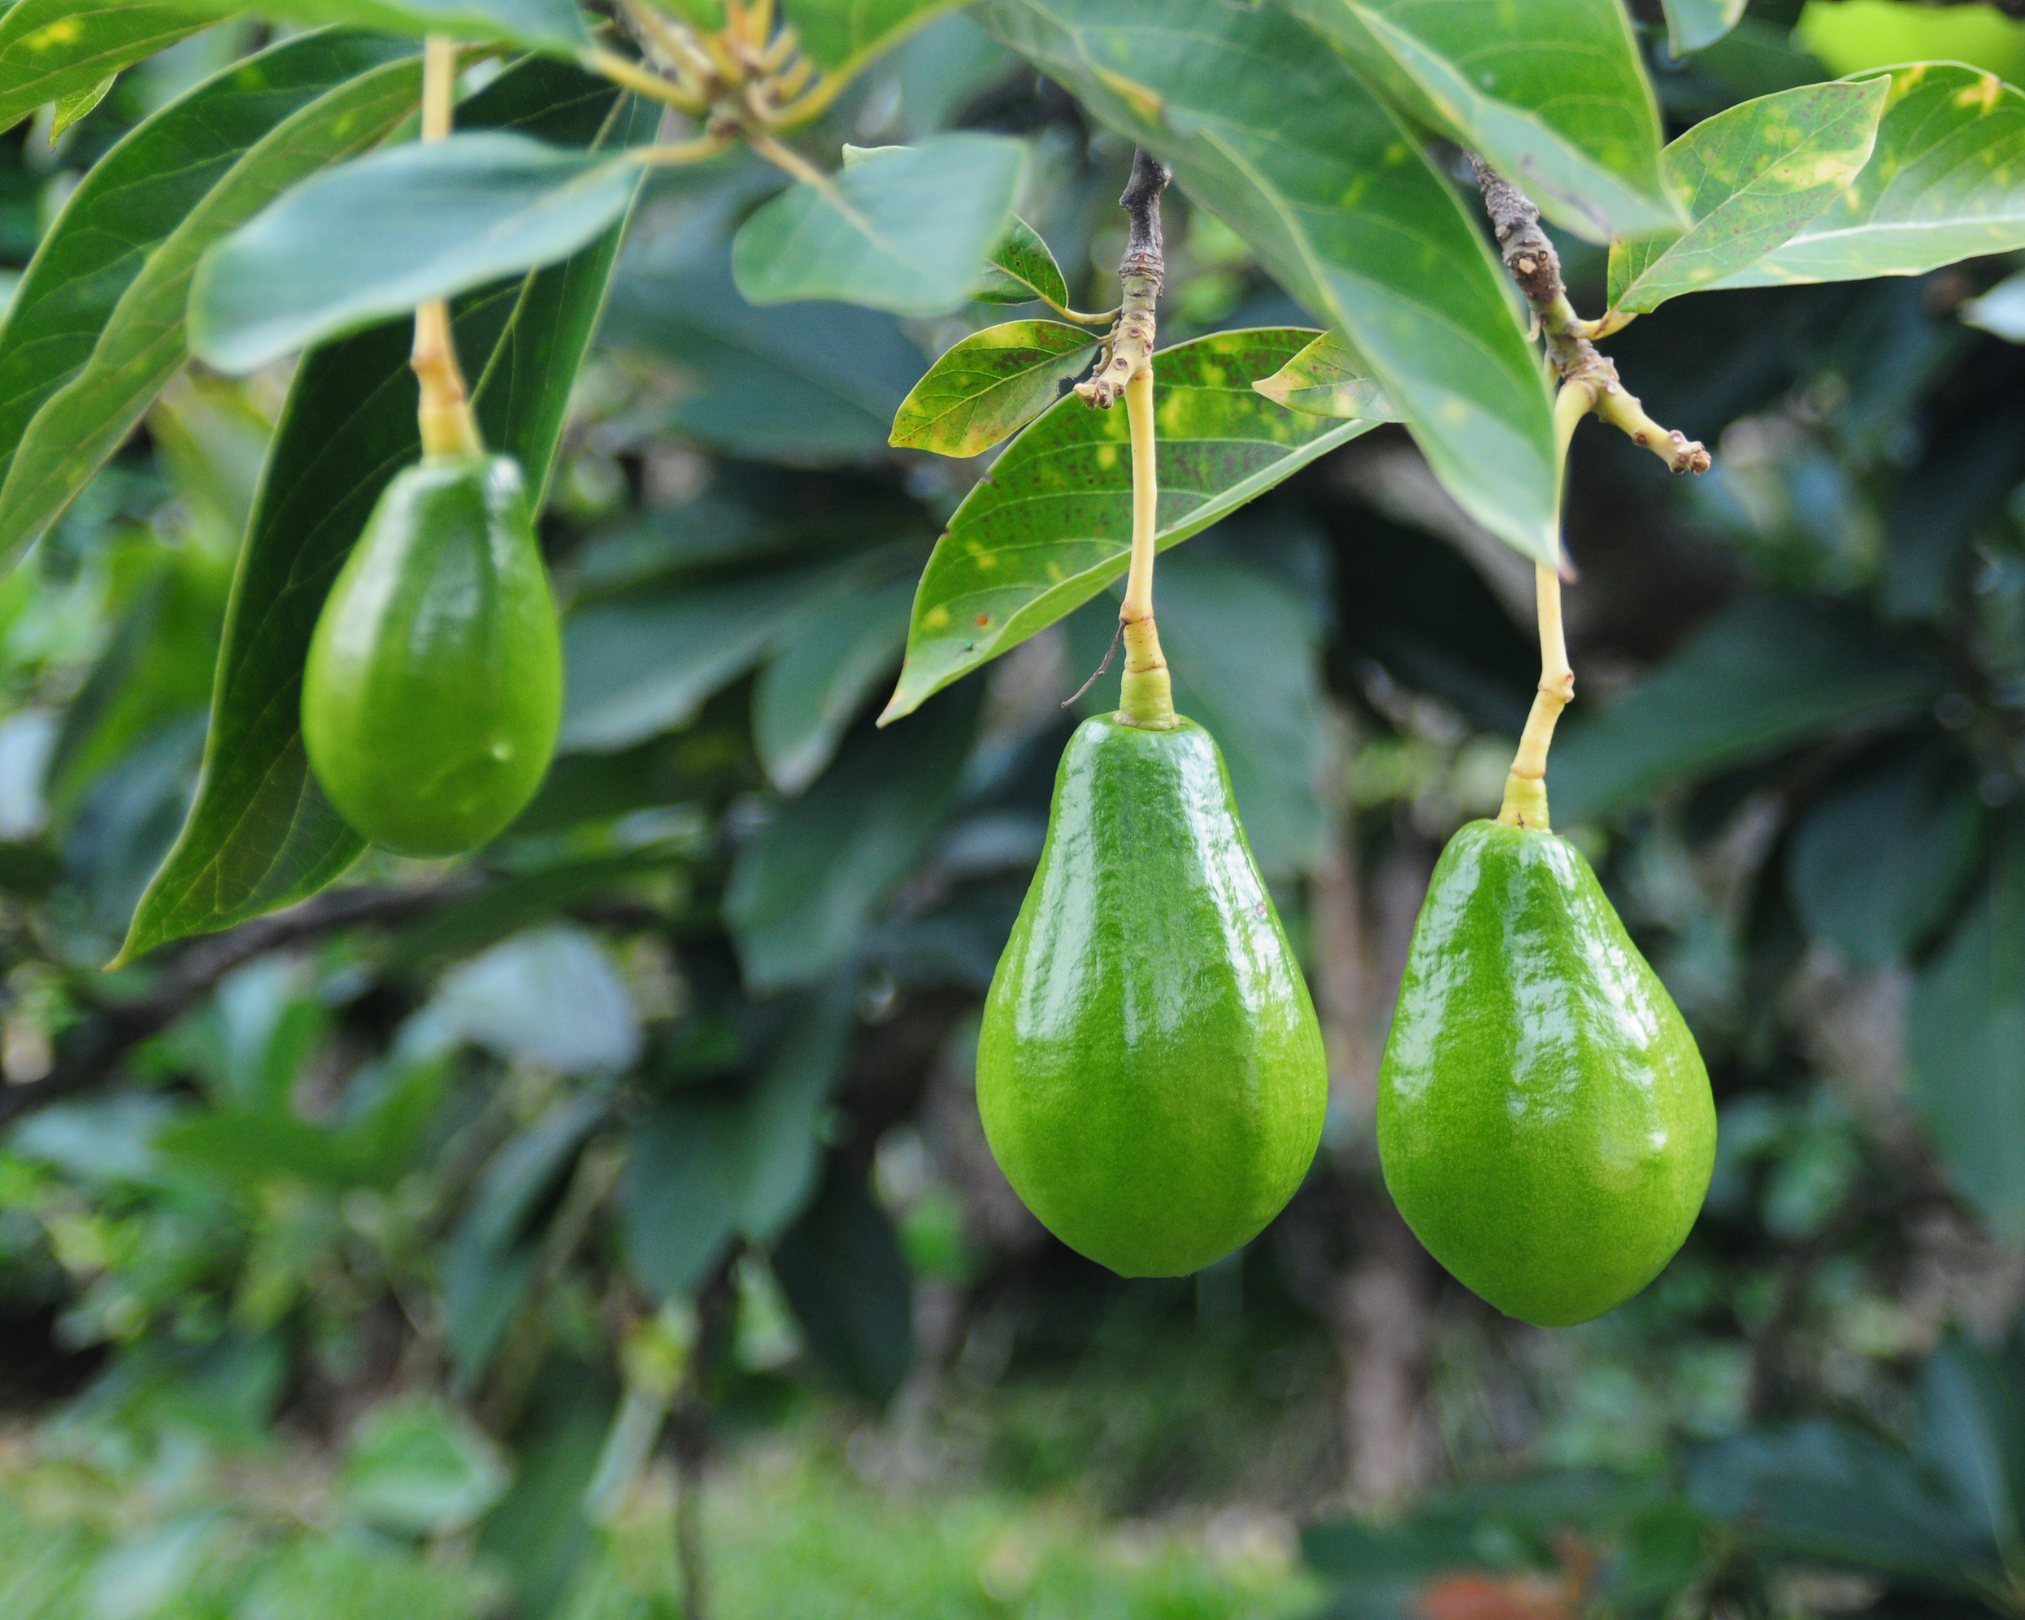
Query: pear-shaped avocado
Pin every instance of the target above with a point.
(1544, 1119)
(433, 691)
(1149, 1071)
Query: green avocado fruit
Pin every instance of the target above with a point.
(433, 691)
(1544, 1119)
(1149, 1070)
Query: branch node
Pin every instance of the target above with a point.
(1129, 349)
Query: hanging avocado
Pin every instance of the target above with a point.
(1544, 1119)
(1150, 1071)
(433, 690)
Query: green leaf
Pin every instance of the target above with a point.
(808, 696)
(1552, 93)
(710, 1162)
(54, 49)
(261, 835)
(1280, 141)
(72, 108)
(806, 886)
(538, 25)
(1051, 525)
(803, 383)
(1692, 25)
(644, 663)
(1770, 672)
(842, 35)
(1245, 652)
(1752, 176)
(1021, 270)
(142, 341)
(991, 385)
(1327, 379)
(1945, 181)
(394, 230)
(903, 228)
(133, 199)
(1878, 862)
(415, 1467)
(1840, 1496)
(843, 1271)
(1965, 1045)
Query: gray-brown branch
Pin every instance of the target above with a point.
(90, 1052)
(1535, 268)
(1141, 274)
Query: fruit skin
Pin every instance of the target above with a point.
(433, 691)
(1149, 1070)
(1544, 1119)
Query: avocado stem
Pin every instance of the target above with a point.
(1526, 787)
(448, 427)
(1146, 694)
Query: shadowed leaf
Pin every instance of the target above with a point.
(901, 228)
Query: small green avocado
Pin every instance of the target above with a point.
(433, 691)
(1544, 1119)
(1150, 1071)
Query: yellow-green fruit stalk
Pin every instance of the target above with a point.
(433, 690)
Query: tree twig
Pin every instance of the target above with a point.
(1536, 269)
(96, 1047)
(1141, 273)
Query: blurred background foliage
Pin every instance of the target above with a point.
(603, 1226)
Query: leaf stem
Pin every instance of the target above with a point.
(633, 77)
(448, 427)
(700, 150)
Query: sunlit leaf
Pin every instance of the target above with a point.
(52, 50)
(1751, 176)
(1945, 181)
(1279, 140)
(1021, 270)
(1051, 525)
(1552, 93)
(1326, 379)
(841, 35)
(73, 108)
(555, 26)
(903, 228)
(991, 385)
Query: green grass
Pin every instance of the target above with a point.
(793, 1534)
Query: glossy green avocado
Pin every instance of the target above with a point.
(1544, 1119)
(433, 691)
(1149, 1070)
